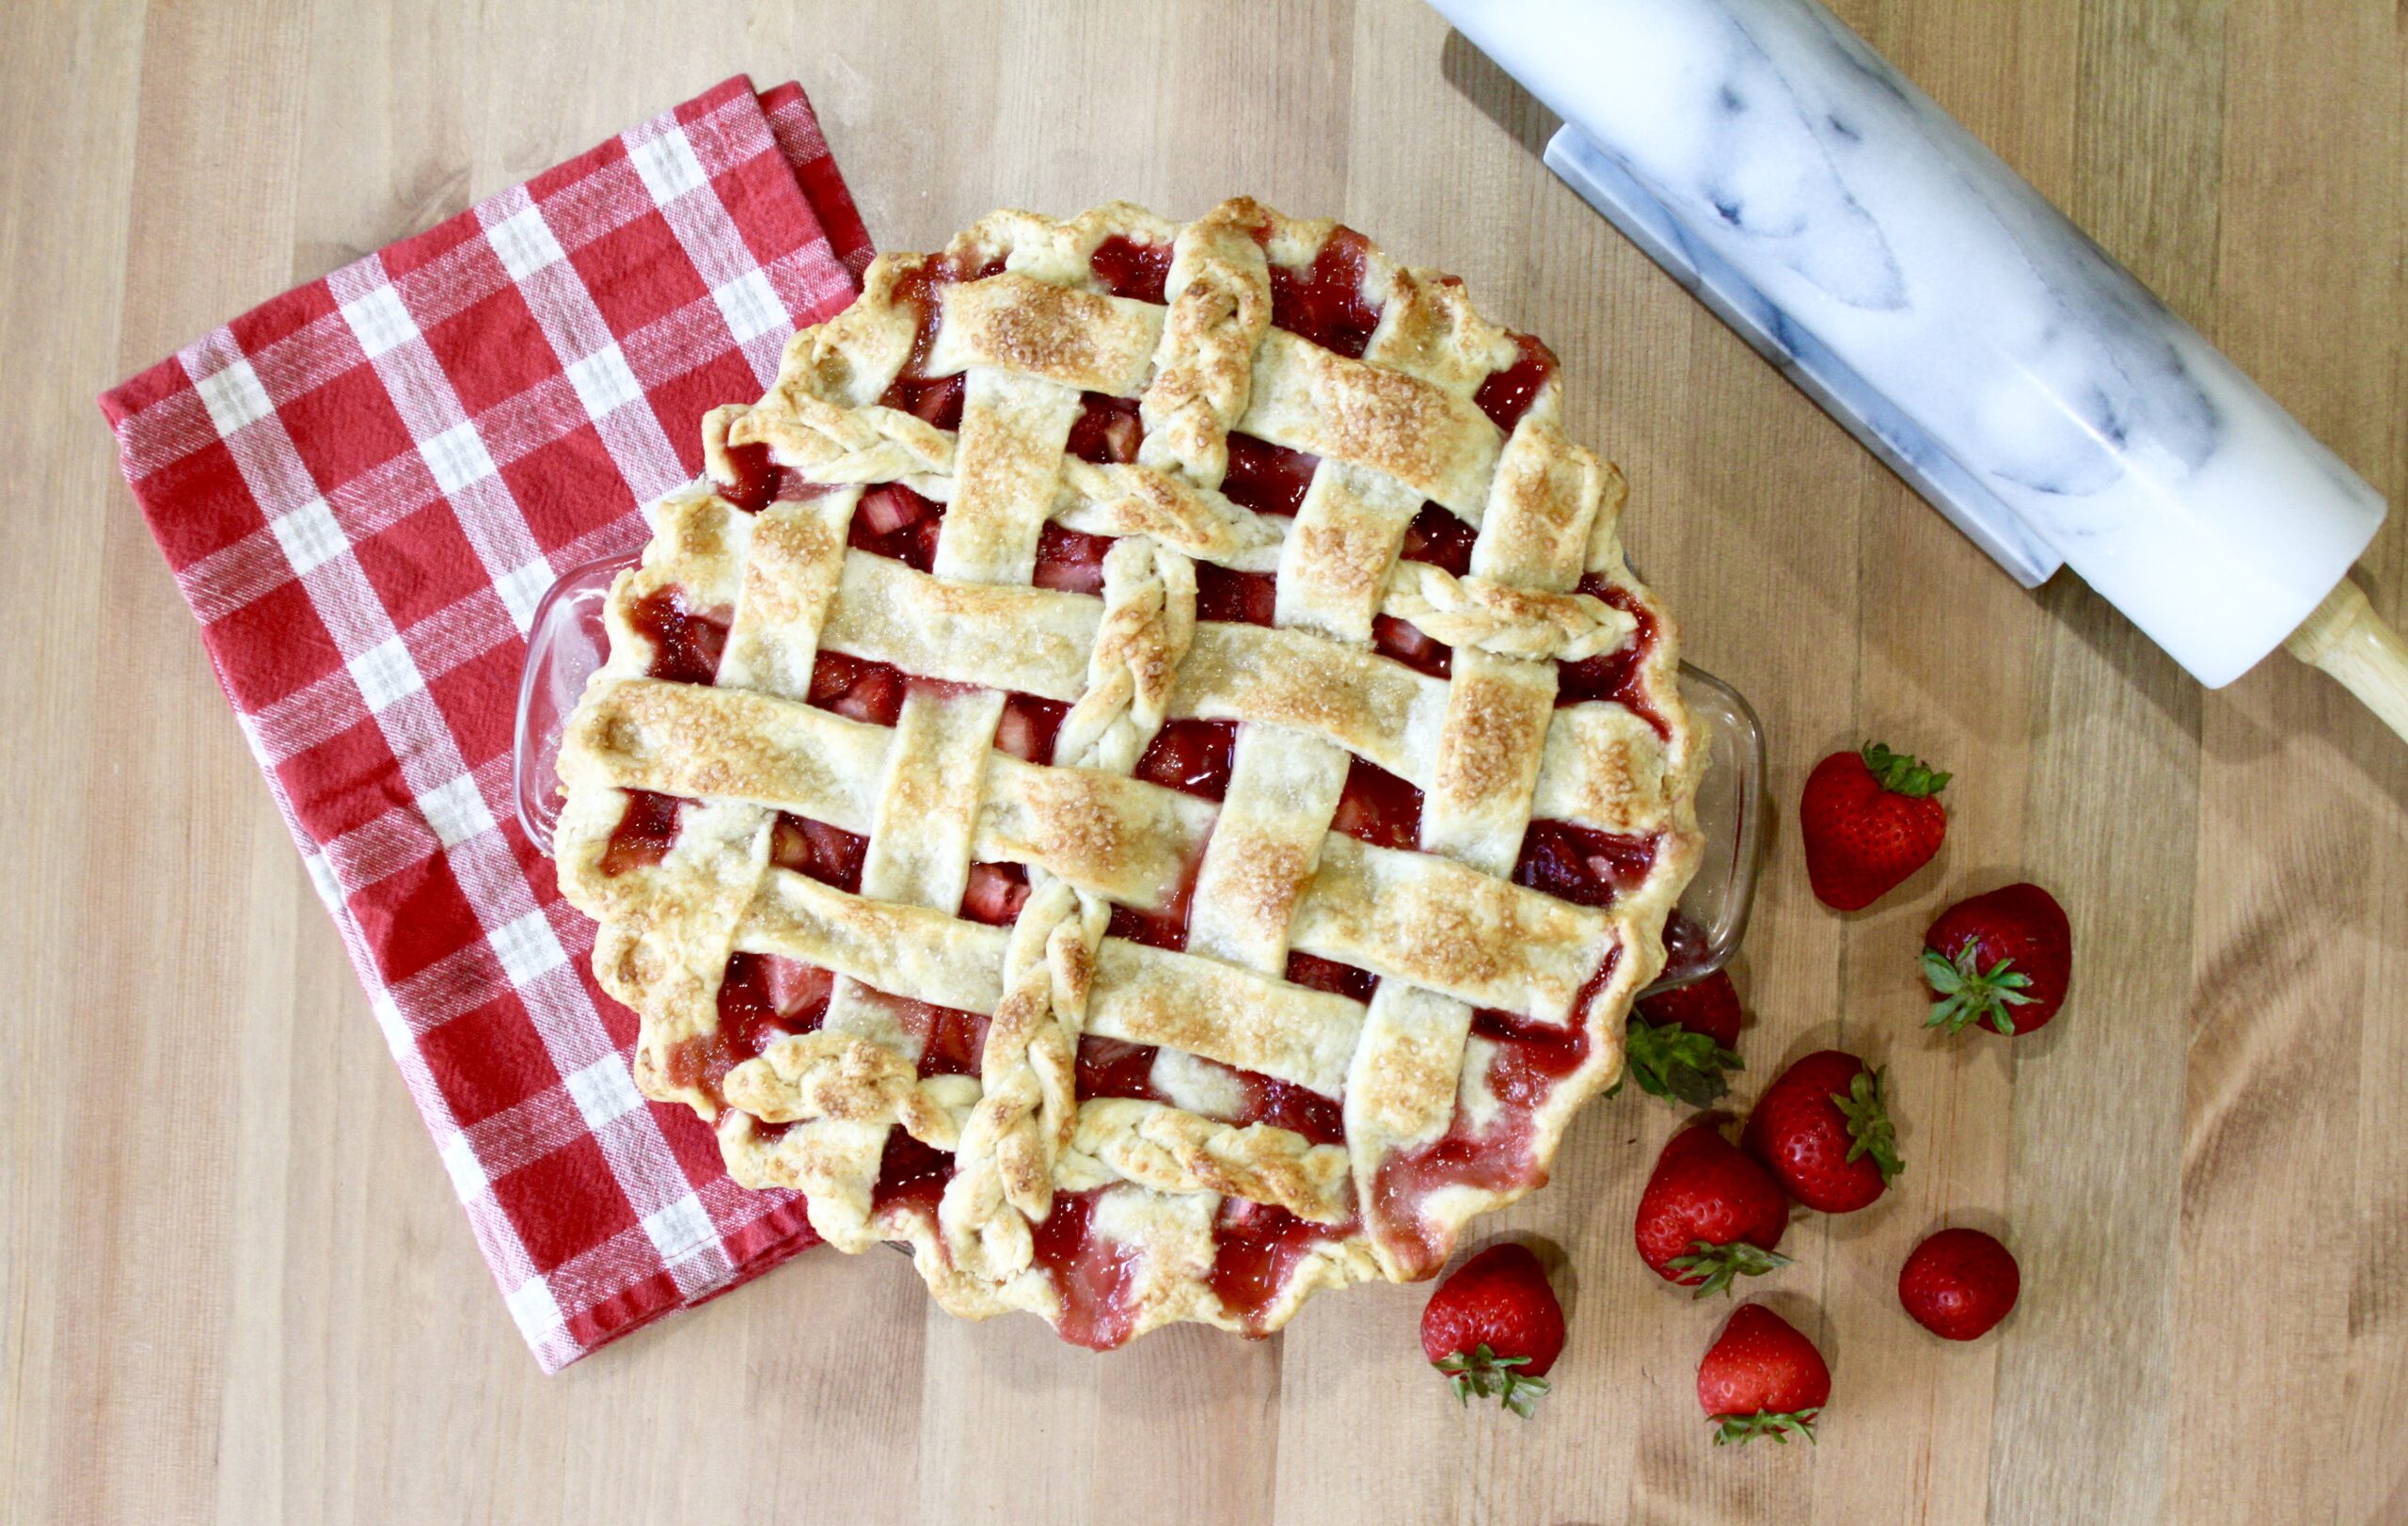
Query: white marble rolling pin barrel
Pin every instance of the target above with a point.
(1956, 322)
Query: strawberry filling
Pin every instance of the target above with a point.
(1092, 1276)
(1583, 865)
(1256, 1250)
(1071, 561)
(1106, 430)
(686, 642)
(1237, 598)
(996, 894)
(1192, 756)
(937, 400)
(910, 1174)
(644, 832)
(897, 523)
(1614, 676)
(1404, 641)
(762, 998)
(1267, 478)
(1507, 394)
(859, 690)
(1130, 269)
(1323, 302)
(1528, 1062)
(1377, 808)
(1028, 727)
(1439, 537)
(828, 854)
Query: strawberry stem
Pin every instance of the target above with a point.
(1670, 1061)
(1970, 994)
(1485, 1375)
(1723, 1265)
(1868, 1124)
(1901, 774)
(1779, 1425)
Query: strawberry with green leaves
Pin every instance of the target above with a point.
(1825, 1134)
(1709, 1215)
(1870, 818)
(2000, 960)
(1762, 1377)
(1683, 1042)
(1495, 1328)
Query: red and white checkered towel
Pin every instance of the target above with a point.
(363, 486)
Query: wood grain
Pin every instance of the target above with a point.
(237, 1286)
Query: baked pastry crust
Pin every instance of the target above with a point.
(1498, 1007)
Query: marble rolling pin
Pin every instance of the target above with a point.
(1956, 322)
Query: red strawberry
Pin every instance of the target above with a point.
(1495, 1328)
(1958, 1283)
(1709, 1215)
(1762, 1377)
(1682, 1040)
(1822, 1131)
(2002, 960)
(1869, 820)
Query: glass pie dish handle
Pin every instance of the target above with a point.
(568, 642)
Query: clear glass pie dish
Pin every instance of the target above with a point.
(568, 642)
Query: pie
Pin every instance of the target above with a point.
(1141, 774)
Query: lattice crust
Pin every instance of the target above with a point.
(1245, 1030)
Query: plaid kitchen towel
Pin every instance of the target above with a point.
(364, 486)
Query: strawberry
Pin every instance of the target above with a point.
(1494, 1327)
(1682, 1041)
(1709, 1215)
(2002, 960)
(1869, 821)
(1958, 1283)
(1761, 1378)
(1822, 1131)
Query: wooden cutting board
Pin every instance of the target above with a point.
(238, 1286)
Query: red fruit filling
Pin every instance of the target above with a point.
(1614, 676)
(1091, 1275)
(1579, 864)
(1404, 641)
(936, 399)
(1439, 537)
(686, 642)
(896, 522)
(1507, 394)
(1256, 1248)
(828, 854)
(871, 691)
(644, 832)
(1267, 478)
(1528, 1061)
(1325, 302)
(755, 482)
(996, 894)
(1378, 807)
(762, 998)
(1071, 561)
(1114, 1068)
(910, 1173)
(1238, 599)
(1350, 981)
(1130, 269)
(1106, 430)
(1028, 727)
(1193, 756)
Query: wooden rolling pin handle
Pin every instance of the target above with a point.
(2347, 639)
